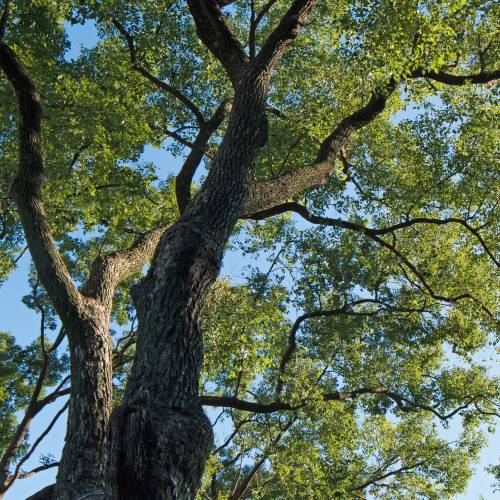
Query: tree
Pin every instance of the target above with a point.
(337, 365)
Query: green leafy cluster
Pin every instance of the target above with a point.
(431, 154)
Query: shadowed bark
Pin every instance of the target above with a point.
(46, 493)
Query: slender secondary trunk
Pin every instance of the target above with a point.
(82, 467)
(86, 322)
(160, 438)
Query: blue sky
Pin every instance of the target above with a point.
(23, 323)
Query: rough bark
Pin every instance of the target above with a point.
(160, 438)
(83, 461)
(109, 270)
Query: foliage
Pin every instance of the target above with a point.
(19, 369)
(419, 338)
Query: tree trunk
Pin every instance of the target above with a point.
(83, 460)
(160, 438)
(82, 465)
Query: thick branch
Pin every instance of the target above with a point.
(27, 189)
(283, 35)
(46, 493)
(243, 486)
(212, 28)
(214, 32)
(267, 194)
(256, 407)
(263, 198)
(109, 270)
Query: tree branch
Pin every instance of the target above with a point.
(36, 470)
(214, 32)
(153, 79)
(174, 134)
(264, 198)
(34, 407)
(27, 190)
(403, 403)
(240, 490)
(450, 79)
(237, 428)
(265, 9)
(374, 235)
(346, 309)
(40, 438)
(109, 270)
(185, 176)
(256, 407)
(243, 486)
(5, 18)
(78, 152)
(407, 405)
(46, 493)
(50, 398)
(267, 194)
(283, 35)
(328, 221)
(374, 480)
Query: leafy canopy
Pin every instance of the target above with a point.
(371, 343)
